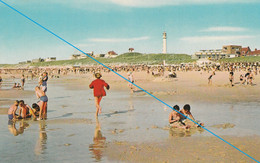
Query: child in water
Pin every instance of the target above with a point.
(24, 110)
(175, 117)
(186, 113)
(98, 86)
(12, 111)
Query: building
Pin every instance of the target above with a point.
(80, 55)
(111, 54)
(99, 55)
(50, 59)
(255, 53)
(131, 50)
(232, 51)
(227, 51)
(246, 51)
(37, 60)
(164, 51)
(209, 54)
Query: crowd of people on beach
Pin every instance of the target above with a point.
(177, 118)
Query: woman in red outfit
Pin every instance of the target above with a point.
(99, 91)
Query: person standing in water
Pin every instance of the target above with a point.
(43, 102)
(22, 80)
(231, 76)
(1, 80)
(131, 79)
(99, 91)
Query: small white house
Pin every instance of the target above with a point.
(50, 59)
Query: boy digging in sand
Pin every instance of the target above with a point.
(99, 91)
(175, 117)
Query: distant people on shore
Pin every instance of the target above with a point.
(231, 76)
(1, 80)
(130, 77)
(210, 78)
(17, 86)
(22, 80)
(98, 91)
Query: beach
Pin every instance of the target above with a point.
(133, 127)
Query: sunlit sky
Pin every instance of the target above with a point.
(104, 25)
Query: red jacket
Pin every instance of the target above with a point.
(98, 86)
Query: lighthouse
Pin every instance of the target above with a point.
(164, 51)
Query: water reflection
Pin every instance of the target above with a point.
(98, 143)
(41, 143)
(178, 132)
(12, 127)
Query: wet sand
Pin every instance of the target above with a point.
(134, 126)
(197, 149)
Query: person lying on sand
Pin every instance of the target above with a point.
(175, 117)
(186, 113)
(12, 111)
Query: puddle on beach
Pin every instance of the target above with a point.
(72, 134)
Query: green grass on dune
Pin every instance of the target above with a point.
(126, 58)
(131, 58)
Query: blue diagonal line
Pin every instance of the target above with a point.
(124, 78)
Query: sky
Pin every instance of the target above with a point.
(105, 25)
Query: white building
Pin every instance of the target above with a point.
(80, 55)
(50, 59)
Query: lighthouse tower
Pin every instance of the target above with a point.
(164, 43)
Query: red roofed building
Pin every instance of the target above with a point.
(255, 53)
(246, 51)
(131, 49)
(112, 54)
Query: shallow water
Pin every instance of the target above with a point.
(71, 133)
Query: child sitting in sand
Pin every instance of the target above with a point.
(12, 111)
(175, 117)
(14, 86)
(186, 113)
(24, 110)
(98, 86)
(34, 111)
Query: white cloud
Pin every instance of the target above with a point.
(216, 38)
(156, 3)
(118, 39)
(224, 29)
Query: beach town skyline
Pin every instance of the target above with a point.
(102, 26)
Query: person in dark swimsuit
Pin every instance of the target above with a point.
(43, 102)
(22, 80)
(231, 76)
